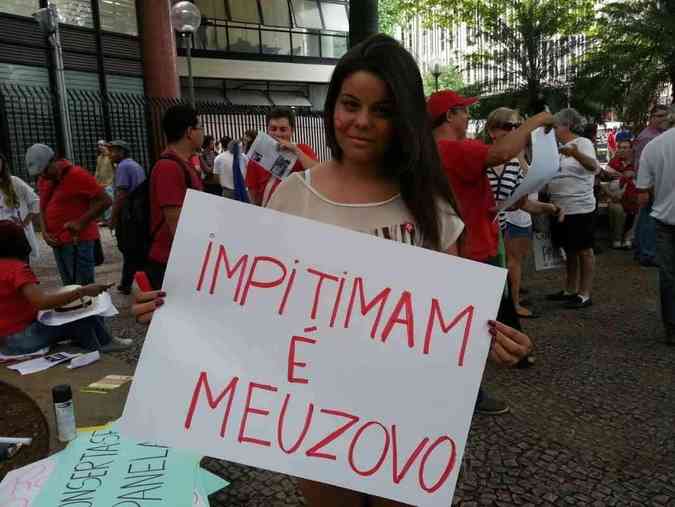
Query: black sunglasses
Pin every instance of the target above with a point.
(510, 125)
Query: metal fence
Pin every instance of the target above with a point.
(28, 116)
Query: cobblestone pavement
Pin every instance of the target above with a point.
(591, 424)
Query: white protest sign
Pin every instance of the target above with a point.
(315, 351)
(546, 256)
(545, 165)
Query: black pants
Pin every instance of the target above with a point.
(507, 311)
(155, 272)
(130, 264)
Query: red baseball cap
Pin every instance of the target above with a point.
(441, 102)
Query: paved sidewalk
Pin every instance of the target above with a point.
(591, 424)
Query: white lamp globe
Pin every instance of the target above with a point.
(185, 17)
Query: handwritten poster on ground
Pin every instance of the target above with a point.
(545, 165)
(546, 256)
(101, 468)
(315, 351)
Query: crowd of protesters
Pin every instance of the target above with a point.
(397, 159)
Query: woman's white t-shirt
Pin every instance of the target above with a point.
(389, 219)
(29, 202)
(572, 188)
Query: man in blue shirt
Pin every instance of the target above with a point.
(128, 175)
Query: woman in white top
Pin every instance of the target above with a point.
(572, 190)
(19, 203)
(385, 179)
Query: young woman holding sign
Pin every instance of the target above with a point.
(384, 178)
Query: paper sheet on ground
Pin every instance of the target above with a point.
(265, 151)
(84, 360)
(8, 359)
(107, 383)
(545, 165)
(381, 380)
(102, 305)
(42, 363)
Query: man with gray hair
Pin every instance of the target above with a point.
(70, 202)
(572, 191)
(656, 180)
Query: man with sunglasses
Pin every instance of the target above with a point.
(170, 179)
(645, 230)
(465, 162)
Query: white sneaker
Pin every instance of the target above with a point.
(117, 345)
(616, 244)
(627, 244)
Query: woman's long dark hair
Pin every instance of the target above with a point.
(6, 185)
(412, 157)
(13, 242)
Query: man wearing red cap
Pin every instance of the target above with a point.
(465, 162)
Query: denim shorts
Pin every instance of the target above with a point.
(515, 231)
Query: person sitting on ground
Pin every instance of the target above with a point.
(21, 298)
(516, 224)
(623, 194)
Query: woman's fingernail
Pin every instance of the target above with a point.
(162, 294)
(493, 331)
(159, 302)
(491, 323)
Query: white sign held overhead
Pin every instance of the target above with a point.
(545, 165)
(315, 351)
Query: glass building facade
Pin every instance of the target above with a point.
(285, 28)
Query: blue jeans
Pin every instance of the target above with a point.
(88, 333)
(665, 255)
(645, 236)
(64, 256)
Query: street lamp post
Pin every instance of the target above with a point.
(48, 18)
(186, 18)
(436, 71)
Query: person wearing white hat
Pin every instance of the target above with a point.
(70, 202)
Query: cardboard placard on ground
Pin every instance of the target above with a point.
(315, 351)
(546, 256)
(100, 468)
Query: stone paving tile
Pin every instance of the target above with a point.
(591, 424)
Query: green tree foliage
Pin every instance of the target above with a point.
(521, 44)
(632, 59)
(449, 79)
